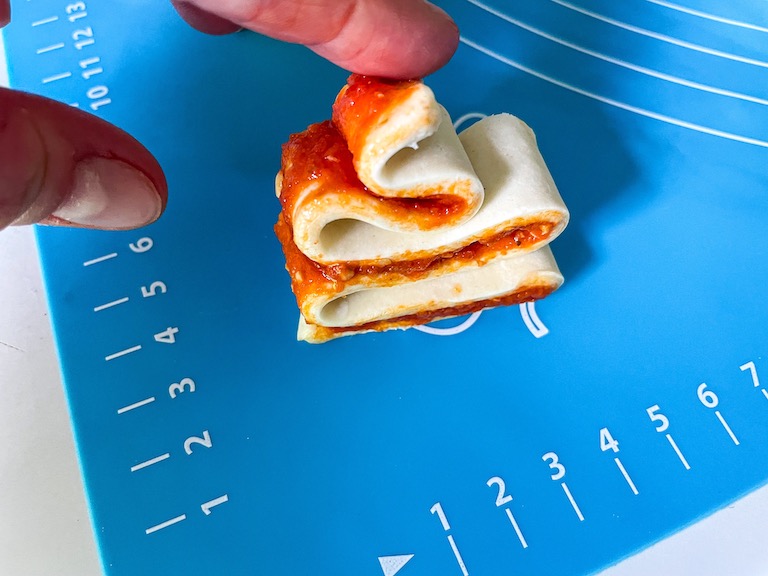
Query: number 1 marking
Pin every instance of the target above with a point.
(99, 103)
(91, 72)
(438, 509)
(206, 507)
(80, 44)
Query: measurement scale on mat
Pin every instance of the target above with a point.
(555, 438)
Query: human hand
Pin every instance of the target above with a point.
(59, 165)
(391, 38)
(62, 166)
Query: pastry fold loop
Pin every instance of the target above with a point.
(391, 219)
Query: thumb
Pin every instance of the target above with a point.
(62, 166)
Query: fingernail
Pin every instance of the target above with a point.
(110, 194)
(203, 20)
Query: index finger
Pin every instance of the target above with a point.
(391, 38)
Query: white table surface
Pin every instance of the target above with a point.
(44, 524)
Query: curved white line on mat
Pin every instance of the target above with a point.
(532, 320)
(467, 117)
(618, 62)
(453, 330)
(708, 16)
(661, 37)
(616, 103)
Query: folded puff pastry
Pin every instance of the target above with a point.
(390, 219)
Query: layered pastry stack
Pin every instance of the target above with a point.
(390, 219)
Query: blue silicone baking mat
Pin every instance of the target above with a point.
(548, 439)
